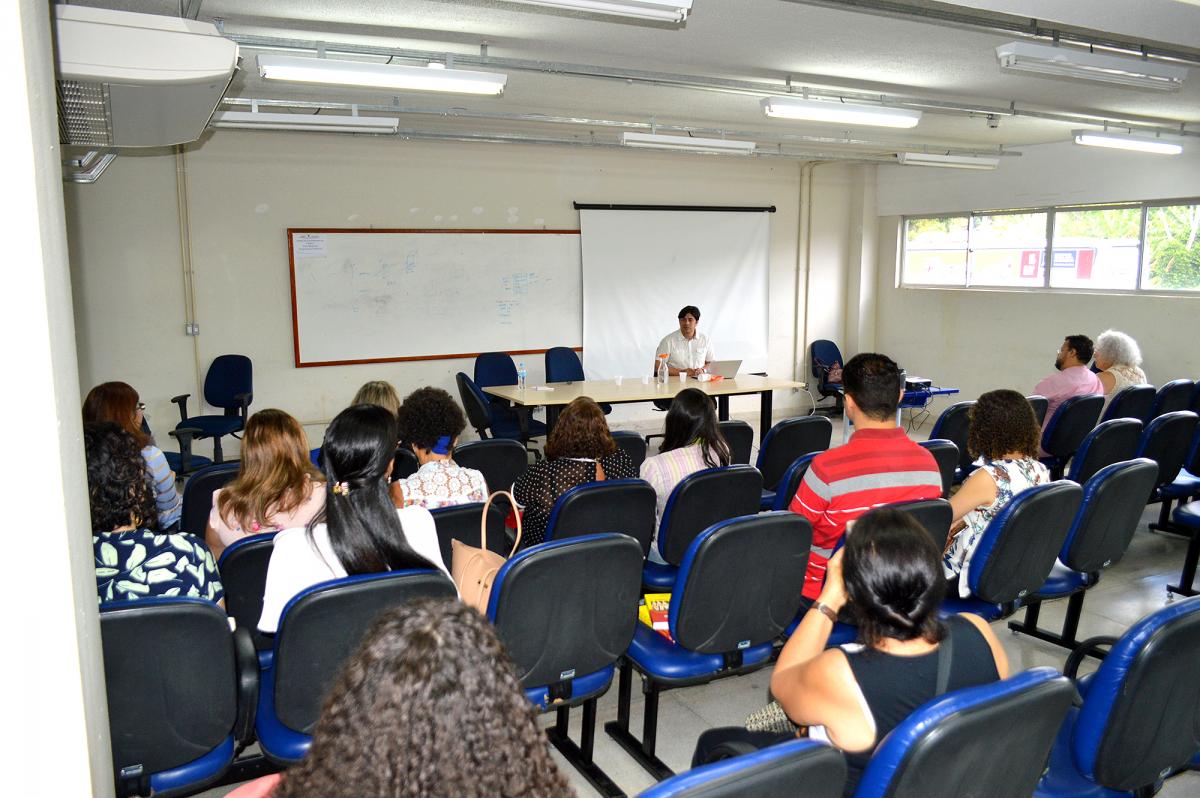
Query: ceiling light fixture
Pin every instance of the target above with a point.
(658, 10)
(1122, 141)
(1046, 59)
(252, 120)
(947, 161)
(832, 111)
(687, 143)
(379, 76)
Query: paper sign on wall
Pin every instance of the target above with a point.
(310, 245)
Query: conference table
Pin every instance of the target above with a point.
(556, 396)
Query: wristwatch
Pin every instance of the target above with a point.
(825, 610)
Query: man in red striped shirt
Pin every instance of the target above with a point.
(879, 465)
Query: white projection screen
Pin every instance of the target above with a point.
(641, 266)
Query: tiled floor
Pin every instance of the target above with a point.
(1128, 591)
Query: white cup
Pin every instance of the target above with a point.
(617, 380)
(645, 379)
(683, 376)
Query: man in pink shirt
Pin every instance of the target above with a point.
(1073, 378)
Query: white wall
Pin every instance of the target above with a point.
(977, 340)
(246, 189)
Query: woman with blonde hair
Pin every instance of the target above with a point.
(381, 393)
(1120, 361)
(277, 487)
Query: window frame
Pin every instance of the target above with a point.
(1051, 212)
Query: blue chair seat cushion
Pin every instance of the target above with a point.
(659, 576)
(511, 428)
(175, 461)
(1186, 484)
(1187, 515)
(768, 500)
(213, 426)
(582, 688)
(665, 661)
(842, 632)
(277, 741)
(194, 774)
(953, 605)
(1062, 581)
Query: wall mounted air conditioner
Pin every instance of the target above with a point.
(137, 80)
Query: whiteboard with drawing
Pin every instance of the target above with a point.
(368, 296)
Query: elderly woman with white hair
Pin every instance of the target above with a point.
(1120, 361)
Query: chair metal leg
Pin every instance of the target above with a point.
(1163, 524)
(1070, 628)
(218, 456)
(1187, 577)
(580, 756)
(641, 750)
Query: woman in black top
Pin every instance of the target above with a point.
(580, 450)
(889, 576)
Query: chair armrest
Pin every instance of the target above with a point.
(181, 400)
(1090, 646)
(247, 676)
(243, 400)
(184, 435)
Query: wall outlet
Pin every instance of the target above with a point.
(191, 329)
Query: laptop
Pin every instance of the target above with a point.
(725, 368)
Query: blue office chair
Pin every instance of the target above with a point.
(632, 444)
(1187, 519)
(783, 443)
(990, 740)
(789, 483)
(1167, 440)
(1140, 718)
(175, 719)
(945, 452)
(492, 421)
(615, 505)
(566, 611)
(1174, 396)
(700, 500)
(737, 590)
(934, 515)
(822, 355)
(1112, 441)
(1103, 527)
(1016, 552)
(184, 461)
(793, 769)
(740, 437)
(500, 460)
(243, 568)
(953, 425)
(318, 629)
(228, 385)
(1134, 401)
(1066, 429)
(198, 495)
(562, 365)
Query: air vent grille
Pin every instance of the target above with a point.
(83, 113)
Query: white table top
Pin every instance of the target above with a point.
(632, 389)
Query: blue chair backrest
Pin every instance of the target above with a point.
(475, 402)
(1070, 424)
(789, 439)
(1167, 441)
(1133, 401)
(495, 368)
(738, 582)
(954, 425)
(740, 437)
(500, 460)
(1110, 442)
(1113, 500)
(1040, 405)
(632, 444)
(461, 522)
(615, 505)
(1174, 396)
(987, 740)
(789, 483)
(198, 495)
(935, 515)
(1017, 550)
(824, 354)
(243, 568)
(793, 769)
(945, 452)
(228, 376)
(567, 606)
(562, 365)
(702, 499)
(1141, 716)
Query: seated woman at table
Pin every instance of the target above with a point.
(378, 392)
(1005, 433)
(580, 450)
(430, 422)
(1120, 361)
(692, 441)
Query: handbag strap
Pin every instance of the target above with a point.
(945, 656)
(512, 501)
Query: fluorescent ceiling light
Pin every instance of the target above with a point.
(1122, 141)
(947, 161)
(379, 76)
(688, 143)
(252, 120)
(659, 10)
(1045, 59)
(833, 111)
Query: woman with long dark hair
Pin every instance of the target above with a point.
(360, 530)
(889, 577)
(692, 441)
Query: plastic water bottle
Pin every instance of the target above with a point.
(663, 371)
(521, 376)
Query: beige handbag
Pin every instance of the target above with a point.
(474, 569)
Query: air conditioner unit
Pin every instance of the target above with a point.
(137, 80)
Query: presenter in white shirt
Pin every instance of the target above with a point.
(687, 349)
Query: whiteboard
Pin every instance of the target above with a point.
(368, 296)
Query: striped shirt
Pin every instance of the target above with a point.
(877, 467)
(162, 480)
(663, 472)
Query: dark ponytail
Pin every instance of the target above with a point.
(364, 530)
(692, 417)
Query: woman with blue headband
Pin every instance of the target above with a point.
(430, 422)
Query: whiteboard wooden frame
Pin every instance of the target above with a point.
(291, 231)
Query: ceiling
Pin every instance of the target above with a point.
(583, 78)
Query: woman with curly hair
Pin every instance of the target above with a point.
(428, 707)
(1120, 361)
(134, 559)
(118, 402)
(360, 531)
(430, 422)
(1005, 433)
(276, 488)
(580, 449)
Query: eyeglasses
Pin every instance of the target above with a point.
(141, 406)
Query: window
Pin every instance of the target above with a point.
(1128, 247)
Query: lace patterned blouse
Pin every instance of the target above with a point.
(441, 483)
(1011, 477)
(543, 482)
